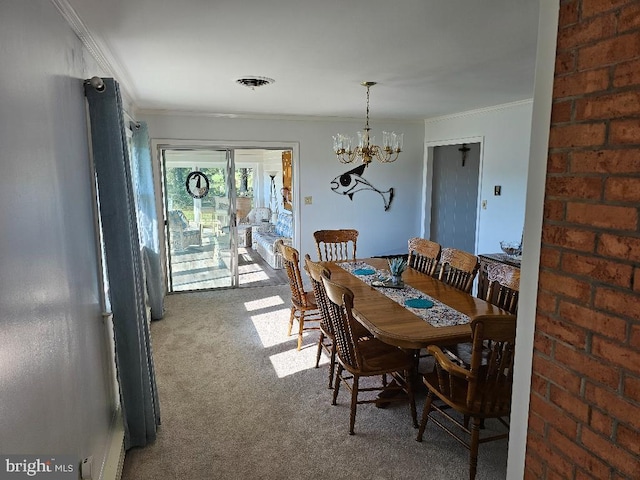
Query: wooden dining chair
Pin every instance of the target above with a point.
(363, 356)
(423, 255)
(303, 303)
(336, 245)
(458, 268)
(326, 341)
(479, 392)
(504, 286)
(503, 292)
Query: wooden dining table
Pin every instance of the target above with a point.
(395, 324)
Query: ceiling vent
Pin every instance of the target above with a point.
(253, 82)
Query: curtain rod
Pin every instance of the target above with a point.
(97, 83)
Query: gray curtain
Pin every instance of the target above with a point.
(142, 174)
(134, 360)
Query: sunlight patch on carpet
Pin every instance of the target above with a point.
(294, 361)
(256, 276)
(272, 327)
(262, 303)
(249, 268)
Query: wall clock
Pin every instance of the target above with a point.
(197, 184)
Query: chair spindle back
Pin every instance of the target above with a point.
(291, 263)
(458, 268)
(340, 312)
(423, 255)
(316, 272)
(488, 382)
(336, 245)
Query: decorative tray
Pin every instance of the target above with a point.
(387, 284)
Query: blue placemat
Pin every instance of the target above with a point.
(364, 271)
(418, 303)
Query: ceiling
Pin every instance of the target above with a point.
(429, 57)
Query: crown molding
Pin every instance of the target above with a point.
(480, 111)
(103, 57)
(265, 116)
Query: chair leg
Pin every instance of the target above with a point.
(300, 329)
(473, 448)
(336, 386)
(412, 398)
(416, 355)
(332, 363)
(320, 340)
(425, 416)
(354, 403)
(291, 317)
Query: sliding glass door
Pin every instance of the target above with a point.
(201, 219)
(208, 194)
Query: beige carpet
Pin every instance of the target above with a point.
(239, 402)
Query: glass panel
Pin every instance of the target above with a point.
(223, 255)
(198, 229)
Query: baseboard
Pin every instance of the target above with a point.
(114, 461)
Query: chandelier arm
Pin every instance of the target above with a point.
(347, 157)
(388, 157)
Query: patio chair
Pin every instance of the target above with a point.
(181, 233)
(257, 216)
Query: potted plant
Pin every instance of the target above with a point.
(397, 265)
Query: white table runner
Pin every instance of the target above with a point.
(440, 315)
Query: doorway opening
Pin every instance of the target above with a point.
(208, 195)
(454, 195)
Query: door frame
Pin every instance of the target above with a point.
(427, 184)
(159, 144)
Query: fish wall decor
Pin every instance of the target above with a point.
(352, 182)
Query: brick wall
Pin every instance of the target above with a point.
(584, 419)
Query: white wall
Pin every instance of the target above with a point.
(55, 363)
(504, 131)
(543, 94)
(380, 232)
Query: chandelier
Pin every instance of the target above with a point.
(366, 148)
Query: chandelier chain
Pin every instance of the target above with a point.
(367, 123)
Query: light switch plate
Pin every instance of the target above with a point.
(308, 200)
